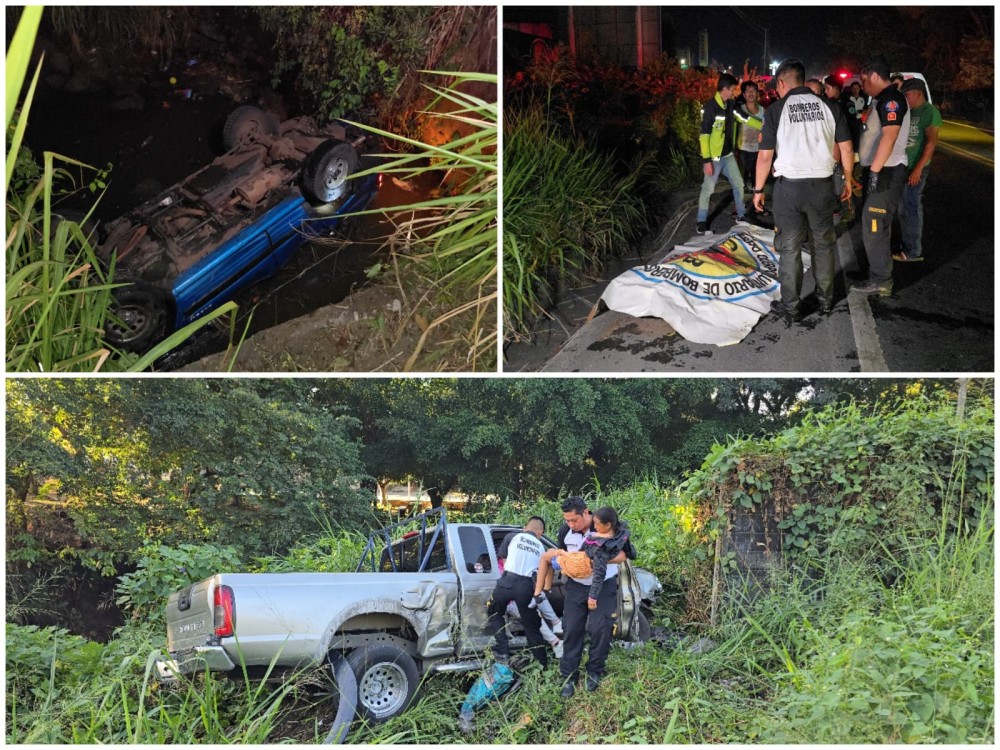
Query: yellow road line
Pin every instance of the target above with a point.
(968, 154)
(966, 125)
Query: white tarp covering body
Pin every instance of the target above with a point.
(712, 290)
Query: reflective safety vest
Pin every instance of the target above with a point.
(718, 130)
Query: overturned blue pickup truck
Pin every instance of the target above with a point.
(232, 223)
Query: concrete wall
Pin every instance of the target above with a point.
(628, 35)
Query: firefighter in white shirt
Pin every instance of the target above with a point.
(883, 160)
(799, 134)
(516, 584)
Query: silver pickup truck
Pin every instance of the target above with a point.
(415, 605)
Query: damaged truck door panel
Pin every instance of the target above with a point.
(415, 605)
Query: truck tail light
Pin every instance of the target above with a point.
(225, 611)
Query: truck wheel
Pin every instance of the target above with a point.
(643, 632)
(247, 124)
(326, 171)
(138, 317)
(387, 679)
(347, 699)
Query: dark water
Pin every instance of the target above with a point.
(171, 137)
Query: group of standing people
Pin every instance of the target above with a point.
(810, 137)
(590, 546)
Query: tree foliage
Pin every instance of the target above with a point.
(100, 472)
(132, 462)
(946, 44)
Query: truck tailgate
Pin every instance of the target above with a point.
(190, 616)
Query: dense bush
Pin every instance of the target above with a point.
(849, 478)
(346, 59)
(591, 153)
(566, 209)
(162, 570)
(598, 98)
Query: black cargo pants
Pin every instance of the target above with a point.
(877, 213)
(800, 205)
(520, 589)
(578, 622)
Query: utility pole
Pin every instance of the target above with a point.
(963, 389)
(767, 52)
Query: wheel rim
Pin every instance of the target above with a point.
(382, 689)
(134, 321)
(250, 131)
(334, 178)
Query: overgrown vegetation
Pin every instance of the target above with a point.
(347, 59)
(58, 292)
(875, 626)
(359, 61)
(444, 249)
(547, 175)
(592, 153)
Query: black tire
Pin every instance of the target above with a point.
(643, 631)
(138, 317)
(346, 695)
(246, 125)
(387, 680)
(326, 171)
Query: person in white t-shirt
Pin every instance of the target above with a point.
(801, 133)
(551, 624)
(517, 584)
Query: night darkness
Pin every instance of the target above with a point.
(736, 34)
(793, 32)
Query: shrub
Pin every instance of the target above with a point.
(50, 658)
(565, 210)
(347, 59)
(848, 479)
(162, 570)
(331, 552)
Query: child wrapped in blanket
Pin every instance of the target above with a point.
(608, 537)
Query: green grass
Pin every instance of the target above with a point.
(846, 658)
(885, 635)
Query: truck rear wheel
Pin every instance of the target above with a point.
(347, 698)
(326, 171)
(387, 680)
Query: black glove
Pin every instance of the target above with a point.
(876, 185)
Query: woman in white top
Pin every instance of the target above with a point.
(748, 134)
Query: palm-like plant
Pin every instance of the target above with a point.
(451, 240)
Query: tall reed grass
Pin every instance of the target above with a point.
(58, 294)
(566, 209)
(450, 242)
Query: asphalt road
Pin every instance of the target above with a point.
(940, 318)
